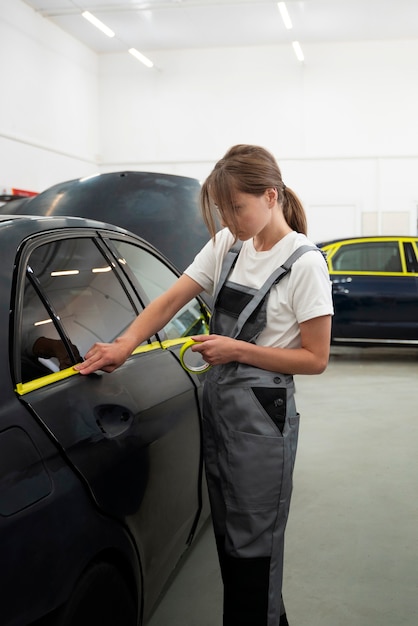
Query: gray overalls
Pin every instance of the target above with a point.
(250, 435)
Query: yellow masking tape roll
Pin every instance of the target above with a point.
(199, 369)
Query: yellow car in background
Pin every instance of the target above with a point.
(375, 290)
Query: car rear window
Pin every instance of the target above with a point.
(379, 256)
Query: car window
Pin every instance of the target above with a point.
(383, 256)
(38, 331)
(82, 295)
(155, 277)
(411, 258)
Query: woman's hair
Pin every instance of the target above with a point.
(247, 169)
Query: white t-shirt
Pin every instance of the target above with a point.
(303, 294)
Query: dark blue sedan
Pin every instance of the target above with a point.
(375, 290)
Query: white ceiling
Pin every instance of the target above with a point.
(185, 24)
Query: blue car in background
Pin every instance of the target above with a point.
(375, 290)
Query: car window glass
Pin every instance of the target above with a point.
(83, 291)
(410, 257)
(155, 278)
(381, 256)
(42, 350)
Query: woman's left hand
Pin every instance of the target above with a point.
(215, 349)
(310, 358)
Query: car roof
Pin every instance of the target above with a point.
(331, 242)
(14, 229)
(25, 225)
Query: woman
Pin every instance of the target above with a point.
(271, 319)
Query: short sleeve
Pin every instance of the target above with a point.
(310, 287)
(206, 266)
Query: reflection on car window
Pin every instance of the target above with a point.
(42, 350)
(155, 278)
(381, 256)
(83, 291)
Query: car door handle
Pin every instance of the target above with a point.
(339, 285)
(340, 289)
(113, 419)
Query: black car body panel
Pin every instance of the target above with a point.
(161, 208)
(105, 467)
(375, 290)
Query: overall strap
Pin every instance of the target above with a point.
(228, 263)
(273, 279)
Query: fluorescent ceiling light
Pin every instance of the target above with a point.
(98, 24)
(101, 270)
(138, 55)
(298, 51)
(285, 15)
(65, 273)
(42, 322)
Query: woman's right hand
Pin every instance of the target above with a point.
(104, 356)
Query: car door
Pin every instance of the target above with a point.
(375, 294)
(132, 436)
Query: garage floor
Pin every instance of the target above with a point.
(352, 535)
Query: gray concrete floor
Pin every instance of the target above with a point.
(352, 536)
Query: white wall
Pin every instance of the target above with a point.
(49, 102)
(343, 126)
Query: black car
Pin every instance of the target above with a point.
(375, 290)
(161, 208)
(101, 484)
